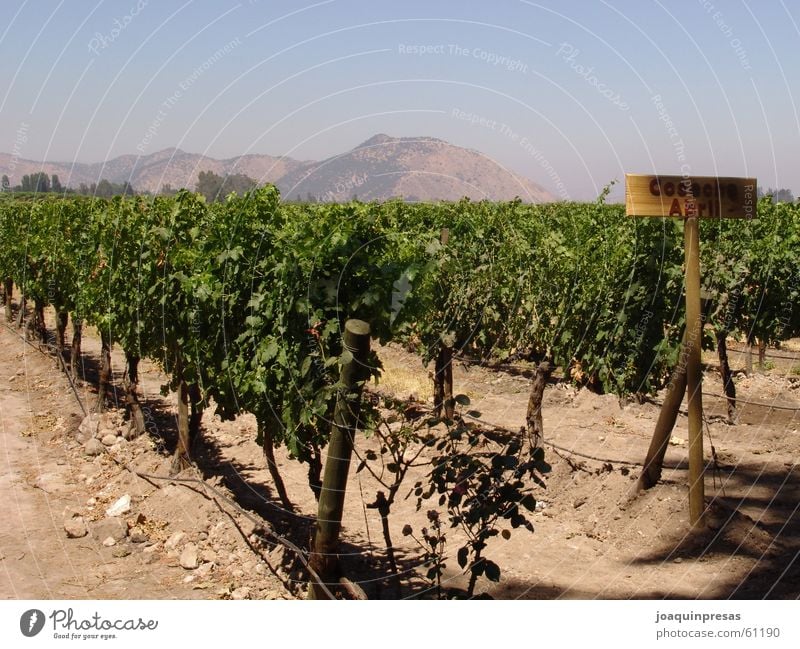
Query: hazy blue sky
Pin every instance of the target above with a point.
(571, 94)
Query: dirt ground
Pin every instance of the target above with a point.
(183, 540)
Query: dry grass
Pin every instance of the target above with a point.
(401, 381)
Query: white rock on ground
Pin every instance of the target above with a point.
(189, 559)
(122, 506)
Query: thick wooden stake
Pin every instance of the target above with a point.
(654, 461)
(324, 558)
(693, 371)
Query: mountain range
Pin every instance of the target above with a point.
(383, 167)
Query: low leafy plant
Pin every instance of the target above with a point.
(432, 542)
(484, 491)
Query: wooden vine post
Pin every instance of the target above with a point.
(691, 198)
(354, 371)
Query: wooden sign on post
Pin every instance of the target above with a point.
(690, 198)
(706, 197)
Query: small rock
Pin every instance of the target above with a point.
(113, 527)
(120, 551)
(88, 427)
(109, 440)
(75, 526)
(579, 502)
(137, 536)
(92, 448)
(678, 560)
(188, 559)
(122, 506)
(188, 579)
(91, 502)
(248, 527)
(148, 558)
(109, 541)
(208, 556)
(175, 540)
(205, 569)
(130, 432)
(243, 592)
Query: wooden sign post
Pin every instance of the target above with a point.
(690, 198)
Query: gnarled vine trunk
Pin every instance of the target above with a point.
(62, 318)
(535, 425)
(266, 431)
(105, 370)
(8, 290)
(23, 306)
(183, 453)
(36, 327)
(725, 374)
(315, 469)
(131, 383)
(443, 402)
(75, 347)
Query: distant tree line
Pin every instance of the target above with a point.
(211, 185)
(215, 187)
(42, 183)
(38, 182)
(778, 195)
